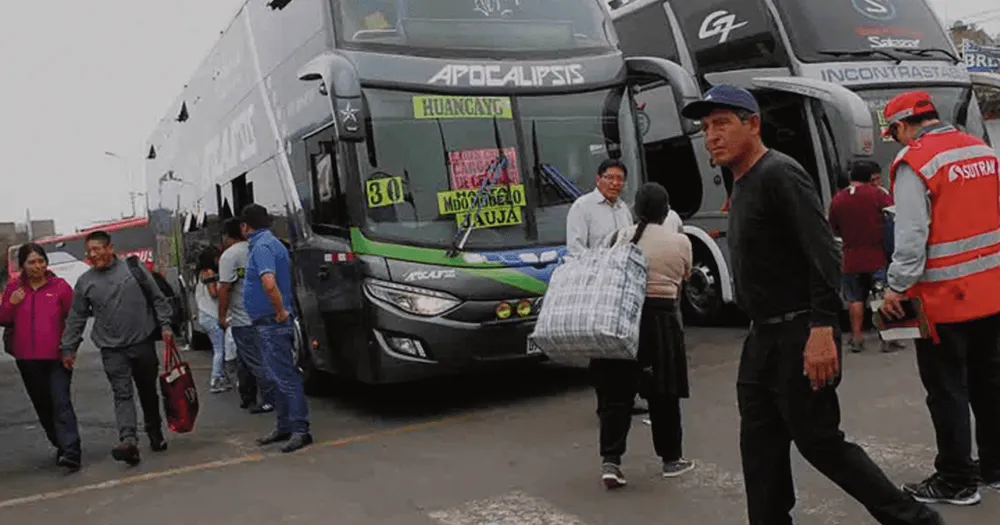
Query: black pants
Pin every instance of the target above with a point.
(48, 384)
(617, 383)
(778, 406)
(134, 364)
(248, 383)
(964, 369)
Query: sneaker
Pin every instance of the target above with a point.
(889, 347)
(262, 409)
(612, 477)
(672, 469)
(856, 347)
(69, 461)
(936, 489)
(126, 453)
(218, 386)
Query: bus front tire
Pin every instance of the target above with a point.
(701, 297)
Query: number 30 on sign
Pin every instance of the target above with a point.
(384, 192)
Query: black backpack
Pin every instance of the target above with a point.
(176, 312)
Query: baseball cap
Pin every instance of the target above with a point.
(906, 105)
(722, 96)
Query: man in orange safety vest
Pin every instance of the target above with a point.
(947, 254)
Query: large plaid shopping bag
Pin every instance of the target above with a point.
(593, 306)
(180, 397)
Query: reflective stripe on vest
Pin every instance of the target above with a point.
(965, 269)
(954, 155)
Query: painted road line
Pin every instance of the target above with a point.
(222, 463)
(515, 508)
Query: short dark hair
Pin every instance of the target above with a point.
(98, 235)
(864, 170)
(26, 250)
(231, 229)
(917, 120)
(256, 216)
(743, 114)
(612, 163)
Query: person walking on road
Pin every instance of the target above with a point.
(267, 296)
(34, 306)
(857, 215)
(125, 329)
(786, 268)
(660, 372)
(947, 255)
(591, 221)
(206, 292)
(233, 316)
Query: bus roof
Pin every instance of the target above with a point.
(136, 222)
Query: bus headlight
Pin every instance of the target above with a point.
(410, 299)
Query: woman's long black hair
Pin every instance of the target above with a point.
(207, 260)
(26, 250)
(652, 204)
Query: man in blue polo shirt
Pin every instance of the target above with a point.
(267, 295)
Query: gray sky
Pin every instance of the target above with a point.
(82, 77)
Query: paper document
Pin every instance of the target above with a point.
(913, 325)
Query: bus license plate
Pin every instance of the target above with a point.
(533, 348)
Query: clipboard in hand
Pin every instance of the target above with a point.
(913, 325)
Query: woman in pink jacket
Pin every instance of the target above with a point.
(35, 306)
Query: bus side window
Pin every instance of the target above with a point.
(330, 201)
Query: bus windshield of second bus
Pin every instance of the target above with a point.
(420, 193)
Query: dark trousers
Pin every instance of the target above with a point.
(248, 383)
(134, 364)
(617, 383)
(964, 369)
(48, 383)
(251, 363)
(777, 407)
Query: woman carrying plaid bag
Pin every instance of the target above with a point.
(660, 372)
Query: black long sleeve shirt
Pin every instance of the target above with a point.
(783, 253)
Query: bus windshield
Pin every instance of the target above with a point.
(427, 156)
(953, 105)
(818, 28)
(518, 26)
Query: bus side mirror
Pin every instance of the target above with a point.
(339, 82)
(684, 86)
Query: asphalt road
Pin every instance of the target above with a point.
(516, 449)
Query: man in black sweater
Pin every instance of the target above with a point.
(786, 268)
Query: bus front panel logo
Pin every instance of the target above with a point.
(720, 23)
(881, 10)
(495, 75)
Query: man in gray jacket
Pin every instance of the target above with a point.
(125, 329)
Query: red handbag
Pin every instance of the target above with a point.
(180, 397)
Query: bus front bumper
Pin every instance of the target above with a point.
(409, 347)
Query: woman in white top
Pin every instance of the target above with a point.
(206, 297)
(660, 372)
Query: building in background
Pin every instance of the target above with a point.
(15, 233)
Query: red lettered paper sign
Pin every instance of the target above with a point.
(469, 168)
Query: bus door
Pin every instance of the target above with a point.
(987, 101)
(327, 273)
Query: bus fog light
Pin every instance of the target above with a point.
(504, 311)
(407, 346)
(524, 308)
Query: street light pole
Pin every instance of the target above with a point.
(132, 194)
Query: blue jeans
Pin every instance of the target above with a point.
(276, 345)
(48, 384)
(248, 353)
(218, 338)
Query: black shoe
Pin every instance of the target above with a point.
(246, 404)
(297, 442)
(157, 442)
(936, 489)
(69, 461)
(126, 453)
(274, 437)
(262, 409)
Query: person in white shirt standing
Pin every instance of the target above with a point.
(591, 221)
(233, 314)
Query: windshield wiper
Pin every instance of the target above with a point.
(925, 51)
(497, 166)
(868, 53)
(550, 173)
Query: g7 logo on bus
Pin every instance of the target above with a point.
(881, 10)
(720, 23)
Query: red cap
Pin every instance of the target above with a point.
(906, 105)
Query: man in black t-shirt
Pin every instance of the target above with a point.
(786, 268)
